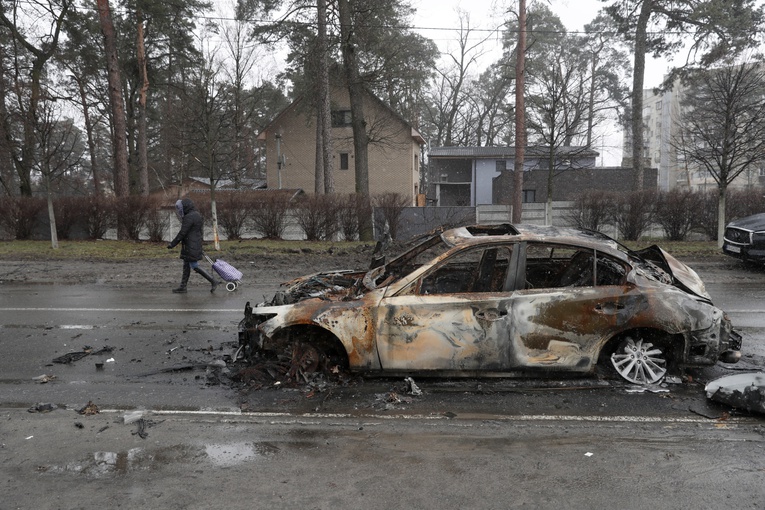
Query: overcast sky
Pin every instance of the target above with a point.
(438, 20)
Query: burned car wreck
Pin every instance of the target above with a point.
(499, 300)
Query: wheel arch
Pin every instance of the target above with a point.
(674, 344)
(322, 339)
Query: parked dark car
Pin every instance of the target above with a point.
(745, 238)
(500, 299)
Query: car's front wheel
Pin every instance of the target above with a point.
(640, 361)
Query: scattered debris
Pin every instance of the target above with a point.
(41, 407)
(71, 357)
(144, 424)
(742, 391)
(412, 388)
(79, 425)
(132, 416)
(42, 379)
(90, 409)
(650, 388)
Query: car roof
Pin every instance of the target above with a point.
(482, 234)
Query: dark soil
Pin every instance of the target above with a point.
(264, 269)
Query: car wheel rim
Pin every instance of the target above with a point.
(639, 362)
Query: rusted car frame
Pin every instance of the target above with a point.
(486, 300)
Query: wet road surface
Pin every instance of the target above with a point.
(555, 443)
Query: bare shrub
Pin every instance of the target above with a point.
(132, 212)
(632, 213)
(743, 202)
(316, 216)
(592, 210)
(157, 221)
(738, 204)
(391, 205)
(20, 215)
(269, 216)
(68, 210)
(706, 214)
(348, 208)
(99, 216)
(233, 212)
(676, 212)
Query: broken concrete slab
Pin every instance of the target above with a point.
(742, 391)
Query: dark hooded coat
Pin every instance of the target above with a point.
(190, 235)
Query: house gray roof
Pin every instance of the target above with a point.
(507, 152)
(244, 183)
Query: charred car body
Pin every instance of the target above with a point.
(745, 238)
(505, 299)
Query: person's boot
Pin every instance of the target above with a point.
(207, 277)
(181, 289)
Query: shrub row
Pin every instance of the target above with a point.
(679, 212)
(326, 217)
(319, 217)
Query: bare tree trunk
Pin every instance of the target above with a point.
(318, 174)
(638, 79)
(325, 113)
(722, 190)
(121, 185)
(142, 144)
(358, 122)
(51, 212)
(89, 134)
(119, 135)
(520, 118)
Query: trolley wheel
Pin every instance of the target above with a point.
(231, 286)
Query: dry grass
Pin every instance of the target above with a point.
(131, 250)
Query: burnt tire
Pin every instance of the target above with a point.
(640, 360)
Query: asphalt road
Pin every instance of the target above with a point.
(555, 443)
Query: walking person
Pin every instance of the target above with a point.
(190, 237)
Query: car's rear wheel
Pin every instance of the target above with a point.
(640, 360)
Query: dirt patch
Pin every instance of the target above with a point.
(271, 269)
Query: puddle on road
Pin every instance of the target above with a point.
(104, 464)
(233, 454)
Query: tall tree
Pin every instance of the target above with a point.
(59, 150)
(52, 12)
(117, 104)
(348, 47)
(520, 110)
(142, 144)
(713, 29)
(82, 56)
(723, 129)
(608, 94)
(557, 107)
(325, 181)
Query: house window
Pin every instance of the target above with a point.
(343, 161)
(341, 118)
(529, 196)
(501, 165)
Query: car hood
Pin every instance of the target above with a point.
(330, 285)
(683, 277)
(754, 223)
